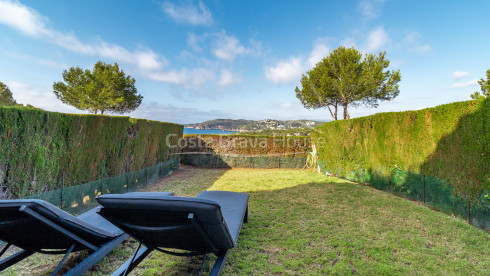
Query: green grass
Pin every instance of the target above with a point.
(305, 223)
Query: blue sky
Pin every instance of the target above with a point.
(200, 60)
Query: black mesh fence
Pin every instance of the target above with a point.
(423, 188)
(78, 198)
(242, 161)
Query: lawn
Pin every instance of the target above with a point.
(306, 223)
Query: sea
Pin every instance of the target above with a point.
(206, 131)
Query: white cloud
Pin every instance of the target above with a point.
(22, 18)
(198, 77)
(43, 61)
(177, 114)
(286, 71)
(289, 70)
(286, 106)
(370, 9)
(52, 63)
(421, 49)
(227, 78)
(46, 99)
(412, 37)
(188, 13)
(457, 75)
(172, 76)
(31, 23)
(228, 47)
(223, 46)
(411, 41)
(348, 42)
(189, 79)
(377, 39)
(464, 84)
(320, 51)
(194, 41)
(147, 62)
(38, 96)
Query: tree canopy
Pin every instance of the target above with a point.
(485, 88)
(346, 79)
(6, 97)
(106, 89)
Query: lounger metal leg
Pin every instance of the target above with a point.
(220, 262)
(203, 262)
(129, 265)
(5, 248)
(96, 256)
(132, 259)
(63, 260)
(17, 257)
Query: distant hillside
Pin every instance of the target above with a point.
(267, 125)
(224, 124)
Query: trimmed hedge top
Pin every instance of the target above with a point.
(36, 147)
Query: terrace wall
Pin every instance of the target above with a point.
(245, 151)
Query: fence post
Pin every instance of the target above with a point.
(127, 180)
(423, 188)
(62, 190)
(389, 182)
(146, 176)
(159, 170)
(363, 172)
(101, 178)
(278, 162)
(469, 217)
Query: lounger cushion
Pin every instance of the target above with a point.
(18, 227)
(207, 211)
(93, 218)
(233, 207)
(151, 193)
(156, 211)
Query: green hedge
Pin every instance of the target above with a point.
(450, 142)
(37, 147)
(246, 144)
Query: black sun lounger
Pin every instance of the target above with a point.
(210, 222)
(38, 226)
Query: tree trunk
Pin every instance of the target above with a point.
(102, 112)
(331, 113)
(346, 113)
(334, 114)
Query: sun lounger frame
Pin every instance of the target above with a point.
(98, 251)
